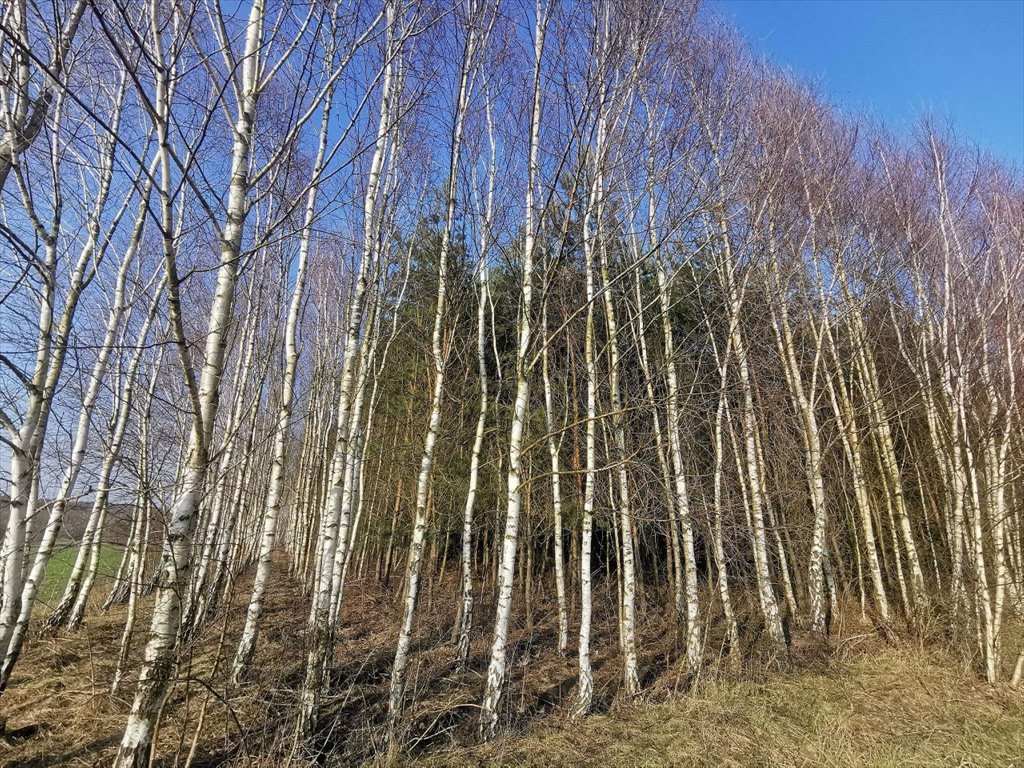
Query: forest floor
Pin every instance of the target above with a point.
(869, 702)
(894, 708)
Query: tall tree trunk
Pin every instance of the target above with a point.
(159, 656)
(496, 669)
(275, 491)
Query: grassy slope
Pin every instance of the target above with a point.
(870, 705)
(893, 708)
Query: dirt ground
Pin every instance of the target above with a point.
(868, 702)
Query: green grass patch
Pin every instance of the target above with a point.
(58, 570)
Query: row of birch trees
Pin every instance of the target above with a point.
(526, 299)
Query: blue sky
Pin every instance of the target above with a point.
(893, 59)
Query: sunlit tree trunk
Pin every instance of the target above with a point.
(158, 659)
(483, 299)
(81, 441)
(628, 570)
(496, 669)
(554, 443)
(803, 395)
(694, 637)
(592, 220)
(849, 433)
(275, 491)
(321, 624)
(466, 76)
(766, 593)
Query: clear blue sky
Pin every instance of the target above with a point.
(961, 59)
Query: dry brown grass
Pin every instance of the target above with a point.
(895, 707)
(864, 703)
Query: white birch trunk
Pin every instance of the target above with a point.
(628, 570)
(321, 626)
(483, 299)
(438, 352)
(556, 490)
(159, 655)
(803, 398)
(275, 491)
(497, 667)
(766, 592)
(694, 637)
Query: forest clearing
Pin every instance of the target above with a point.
(495, 382)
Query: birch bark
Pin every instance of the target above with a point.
(496, 669)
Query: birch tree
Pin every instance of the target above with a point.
(251, 72)
(497, 667)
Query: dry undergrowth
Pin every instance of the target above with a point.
(893, 708)
(867, 703)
